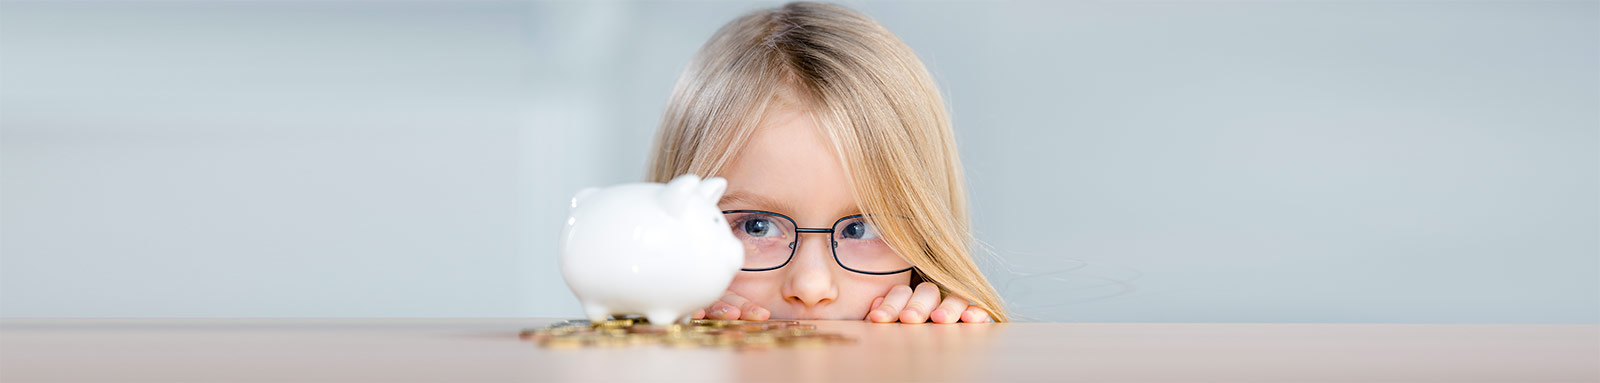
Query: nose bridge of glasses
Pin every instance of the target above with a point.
(801, 230)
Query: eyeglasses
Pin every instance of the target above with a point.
(770, 240)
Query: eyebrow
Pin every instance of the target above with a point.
(760, 202)
(757, 201)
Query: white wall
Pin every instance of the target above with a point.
(1129, 161)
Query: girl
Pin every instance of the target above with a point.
(843, 177)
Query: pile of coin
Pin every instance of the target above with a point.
(631, 331)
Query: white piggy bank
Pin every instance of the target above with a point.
(660, 250)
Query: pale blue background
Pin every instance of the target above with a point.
(1149, 161)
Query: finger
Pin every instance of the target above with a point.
(732, 307)
(726, 307)
(699, 314)
(723, 310)
(949, 311)
(975, 314)
(889, 308)
(873, 306)
(747, 309)
(921, 303)
(755, 312)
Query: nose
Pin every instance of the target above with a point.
(810, 277)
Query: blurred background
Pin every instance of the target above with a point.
(1129, 161)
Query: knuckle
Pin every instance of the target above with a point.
(892, 305)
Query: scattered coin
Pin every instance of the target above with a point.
(634, 331)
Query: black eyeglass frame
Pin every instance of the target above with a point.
(833, 247)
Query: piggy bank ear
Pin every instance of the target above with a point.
(681, 186)
(678, 192)
(711, 189)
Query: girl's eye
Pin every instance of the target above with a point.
(759, 227)
(858, 230)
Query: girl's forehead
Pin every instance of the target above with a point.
(788, 166)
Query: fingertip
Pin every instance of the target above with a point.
(975, 315)
(757, 313)
(878, 316)
(911, 316)
(721, 311)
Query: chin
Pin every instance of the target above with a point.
(817, 316)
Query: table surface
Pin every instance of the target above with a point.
(461, 350)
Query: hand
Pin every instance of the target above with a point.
(733, 306)
(918, 306)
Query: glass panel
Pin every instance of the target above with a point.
(861, 248)
(766, 238)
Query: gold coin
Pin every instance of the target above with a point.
(632, 330)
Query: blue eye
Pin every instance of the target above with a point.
(759, 227)
(858, 229)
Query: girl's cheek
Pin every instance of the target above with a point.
(758, 288)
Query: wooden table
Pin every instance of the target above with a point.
(466, 350)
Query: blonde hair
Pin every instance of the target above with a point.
(872, 98)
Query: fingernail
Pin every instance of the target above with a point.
(761, 312)
(939, 315)
(879, 316)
